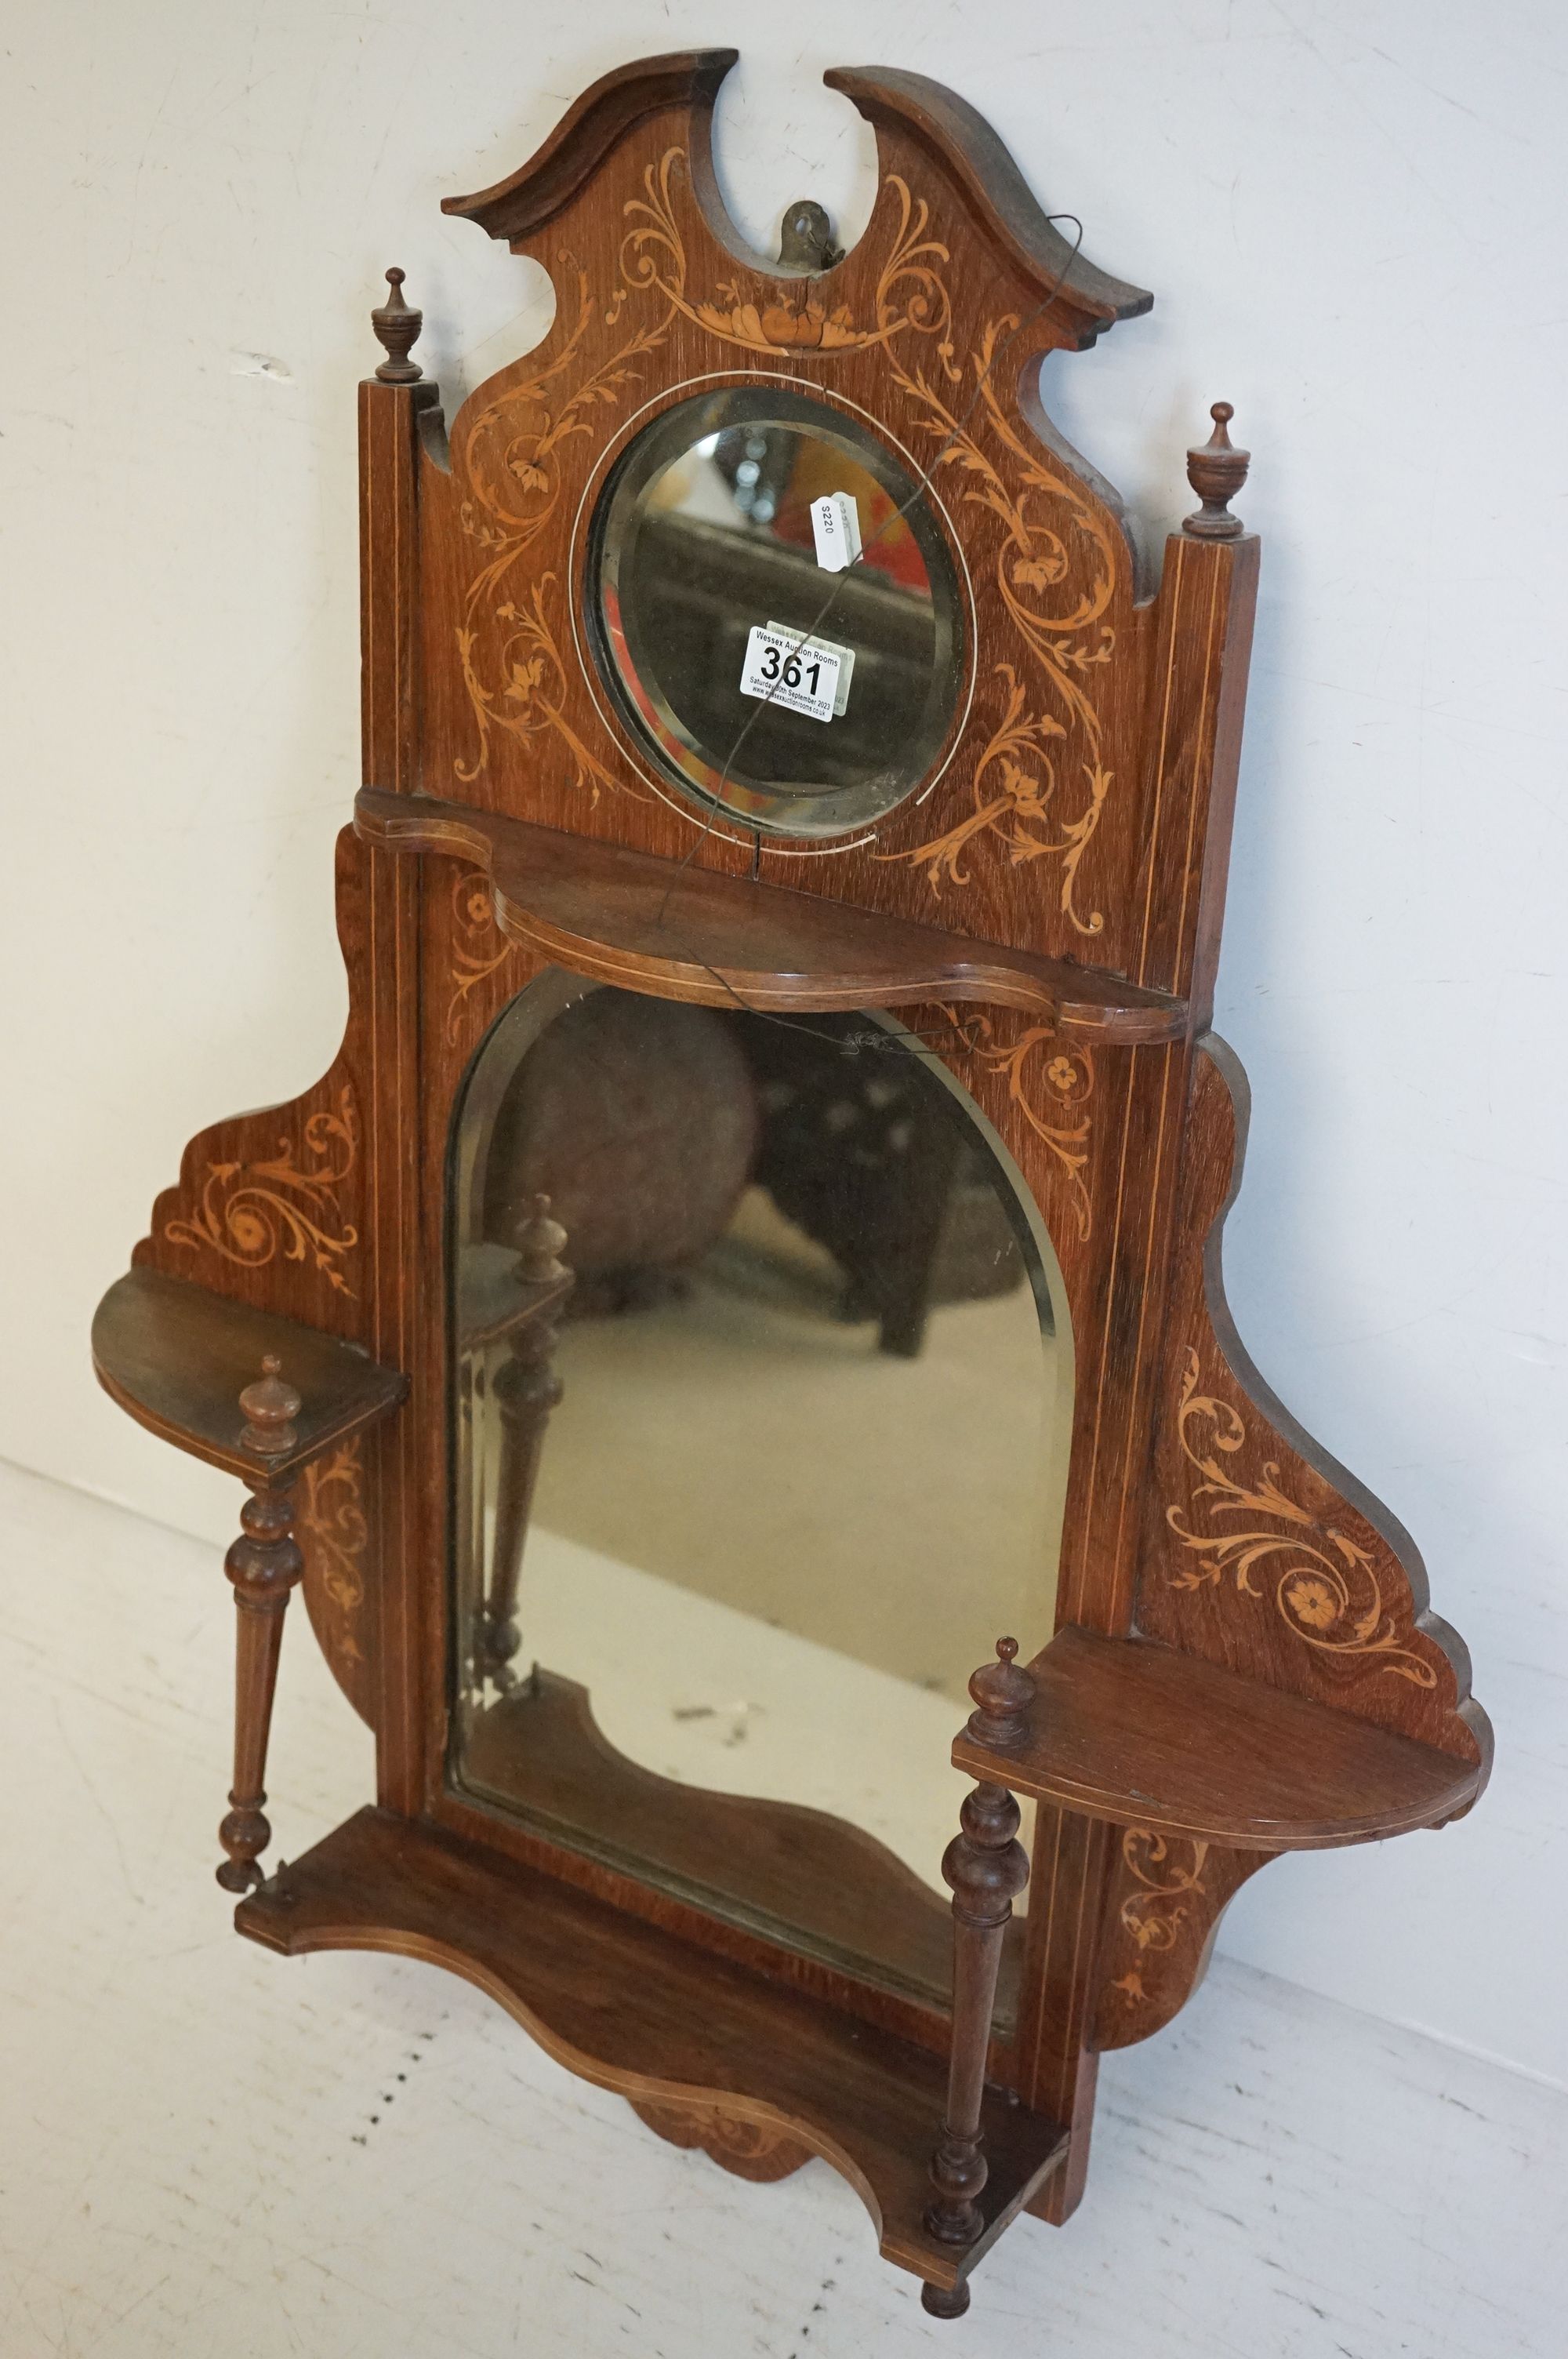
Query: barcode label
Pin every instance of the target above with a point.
(836, 528)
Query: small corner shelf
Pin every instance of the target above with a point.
(177, 1356)
(1126, 1730)
(632, 918)
(634, 2008)
(493, 1299)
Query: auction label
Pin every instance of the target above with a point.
(800, 674)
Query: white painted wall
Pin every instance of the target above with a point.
(1351, 214)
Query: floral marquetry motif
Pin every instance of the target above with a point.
(478, 947)
(909, 294)
(1015, 803)
(1260, 1554)
(761, 2151)
(1163, 1904)
(333, 1533)
(287, 1203)
(1324, 1585)
(933, 327)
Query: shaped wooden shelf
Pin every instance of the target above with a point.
(778, 1865)
(178, 1357)
(650, 924)
(1135, 1733)
(494, 1299)
(759, 2069)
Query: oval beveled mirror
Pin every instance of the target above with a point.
(707, 563)
(806, 1459)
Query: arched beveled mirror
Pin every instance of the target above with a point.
(802, 1447)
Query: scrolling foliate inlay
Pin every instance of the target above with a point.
(511, 454)
(1167, 1895)
(1152, 1915)
(1051, 1086)
(762, 2151)
(910, 293)
(1325, 1583)
(332, 1529)
(288, 1203)
(1014, 790)
(1016, 778)
(515, 456)
(478, 947)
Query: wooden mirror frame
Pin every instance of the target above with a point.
(1243, 1663)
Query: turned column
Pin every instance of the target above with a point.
(264, 1565)
(986, 1867)
(526, 1389)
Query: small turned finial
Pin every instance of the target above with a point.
(539, 1243)
(1217, 471)
(397, 326)
(1003, 1694)
(806, 238)
(270, 1408)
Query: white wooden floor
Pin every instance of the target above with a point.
(208, 2153)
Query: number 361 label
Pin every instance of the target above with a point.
(803, 675)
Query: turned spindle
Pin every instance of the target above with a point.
(1217, 471)
(985, 1868)
(397, 326)
(264, 1565)
(526, 1390)
(540, 1243)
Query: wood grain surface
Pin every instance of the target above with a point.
(177, 1358)
(1137, 1733)
(649, 2015)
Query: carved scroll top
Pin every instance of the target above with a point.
(907, 111)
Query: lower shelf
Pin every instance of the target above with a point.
(671, 2027)
(781, 1869)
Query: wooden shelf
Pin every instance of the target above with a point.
(177, 1356)
(777, 1868)
(628, 917)
(1137, 1733)
(494, 1299)
(672, 2028)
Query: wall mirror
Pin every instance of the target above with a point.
(705, 532)
(877, 1328)
(804, 1445)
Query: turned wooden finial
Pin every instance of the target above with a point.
(1002, 1694)
(270, 1408)
(397, 326)
(806, 238)
(1217, 471)
(539, 1243)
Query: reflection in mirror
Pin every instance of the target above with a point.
(735, 1521)
(711, 528)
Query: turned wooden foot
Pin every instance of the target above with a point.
(986, 1868)
(263, 1564)
(943, 2303)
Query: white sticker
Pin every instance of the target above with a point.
(836, 527)
(846, 664)
(802, 675)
